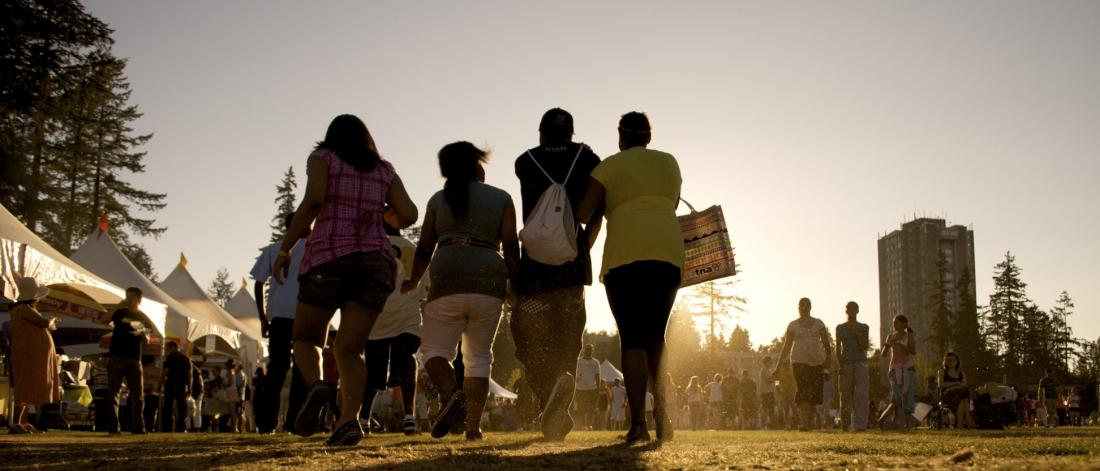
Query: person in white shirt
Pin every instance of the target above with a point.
(276, 311)
(618, 405)
(395, 337)
(587, 388)
(806, 349)
(715, 401)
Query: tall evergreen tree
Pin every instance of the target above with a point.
(1007, 306)
(716, 302)
(1063, 342)
(284, 203)
(221, 288)
(966, 334)
(739, 340)
(66, 142)
(940, 312)
(42, 44)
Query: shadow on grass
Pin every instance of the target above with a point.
(616, 456)
(106, 453)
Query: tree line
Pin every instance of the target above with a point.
(67, 143)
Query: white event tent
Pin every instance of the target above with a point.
(243, 307)
(24, 253)
(101, 254)
(182, 286)
(608, 372)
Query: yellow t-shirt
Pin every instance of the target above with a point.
(641, 190)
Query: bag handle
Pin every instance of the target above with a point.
(692, 208)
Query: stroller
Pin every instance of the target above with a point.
(995, 406)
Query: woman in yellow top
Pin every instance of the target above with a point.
(643, 259)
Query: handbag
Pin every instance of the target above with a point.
(708, 253)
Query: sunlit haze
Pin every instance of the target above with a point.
(818, 126)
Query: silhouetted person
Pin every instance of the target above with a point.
(177, 387)
(551, 297)
(277, 325)
(852, 343)
(643, 258)
(470, 223)
(124, 361)
(347, 265)
(806, 349)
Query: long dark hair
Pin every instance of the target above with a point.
(958, 361)
(350, 140)
(460, 163)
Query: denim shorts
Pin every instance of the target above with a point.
(366, 278)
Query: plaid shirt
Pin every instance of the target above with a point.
(351, 217)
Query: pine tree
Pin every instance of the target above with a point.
(284, 202)
(713, 301)
(65, 137)
(966, 333)
(221, 289)
(44, 43)
(739, 340)
(1007, 307)
(1063, 342)
(940, 313)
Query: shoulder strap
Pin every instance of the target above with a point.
(567, 175)
(532, 157)
(574, 164)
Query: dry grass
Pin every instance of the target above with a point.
(1015, 449)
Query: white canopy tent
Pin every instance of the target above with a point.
(24, 253)
(243, 307)
(101, 254)
(608, 372)
(499, 391)
(182, 286)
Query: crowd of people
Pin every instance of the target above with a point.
(441, 300)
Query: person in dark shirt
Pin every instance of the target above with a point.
(124, 360)
(177, 387)
(551, 298)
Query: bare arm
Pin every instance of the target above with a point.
(403, 212)
(591, 203)
(826, 344)
(783, 354)
(258, 291)
(510, 245)
(316, 187)
(425, 248)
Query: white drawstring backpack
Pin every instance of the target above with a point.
(550, 232)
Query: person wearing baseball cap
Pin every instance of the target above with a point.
(35, 373)
(551, 298)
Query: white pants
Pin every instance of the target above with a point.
(473, 318)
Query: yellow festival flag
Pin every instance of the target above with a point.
(183, 260)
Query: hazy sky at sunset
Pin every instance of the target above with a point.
(817, 126)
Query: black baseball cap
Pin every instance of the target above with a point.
(556, 120)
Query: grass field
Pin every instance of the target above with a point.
(1063, 448)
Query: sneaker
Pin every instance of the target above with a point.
(309, 418)
(556, 421)
(452, 414)
(348, 434)
(409, 425)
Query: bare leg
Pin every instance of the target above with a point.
(310, 331)
(355, 325)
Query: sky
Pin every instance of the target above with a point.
(818, 126)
